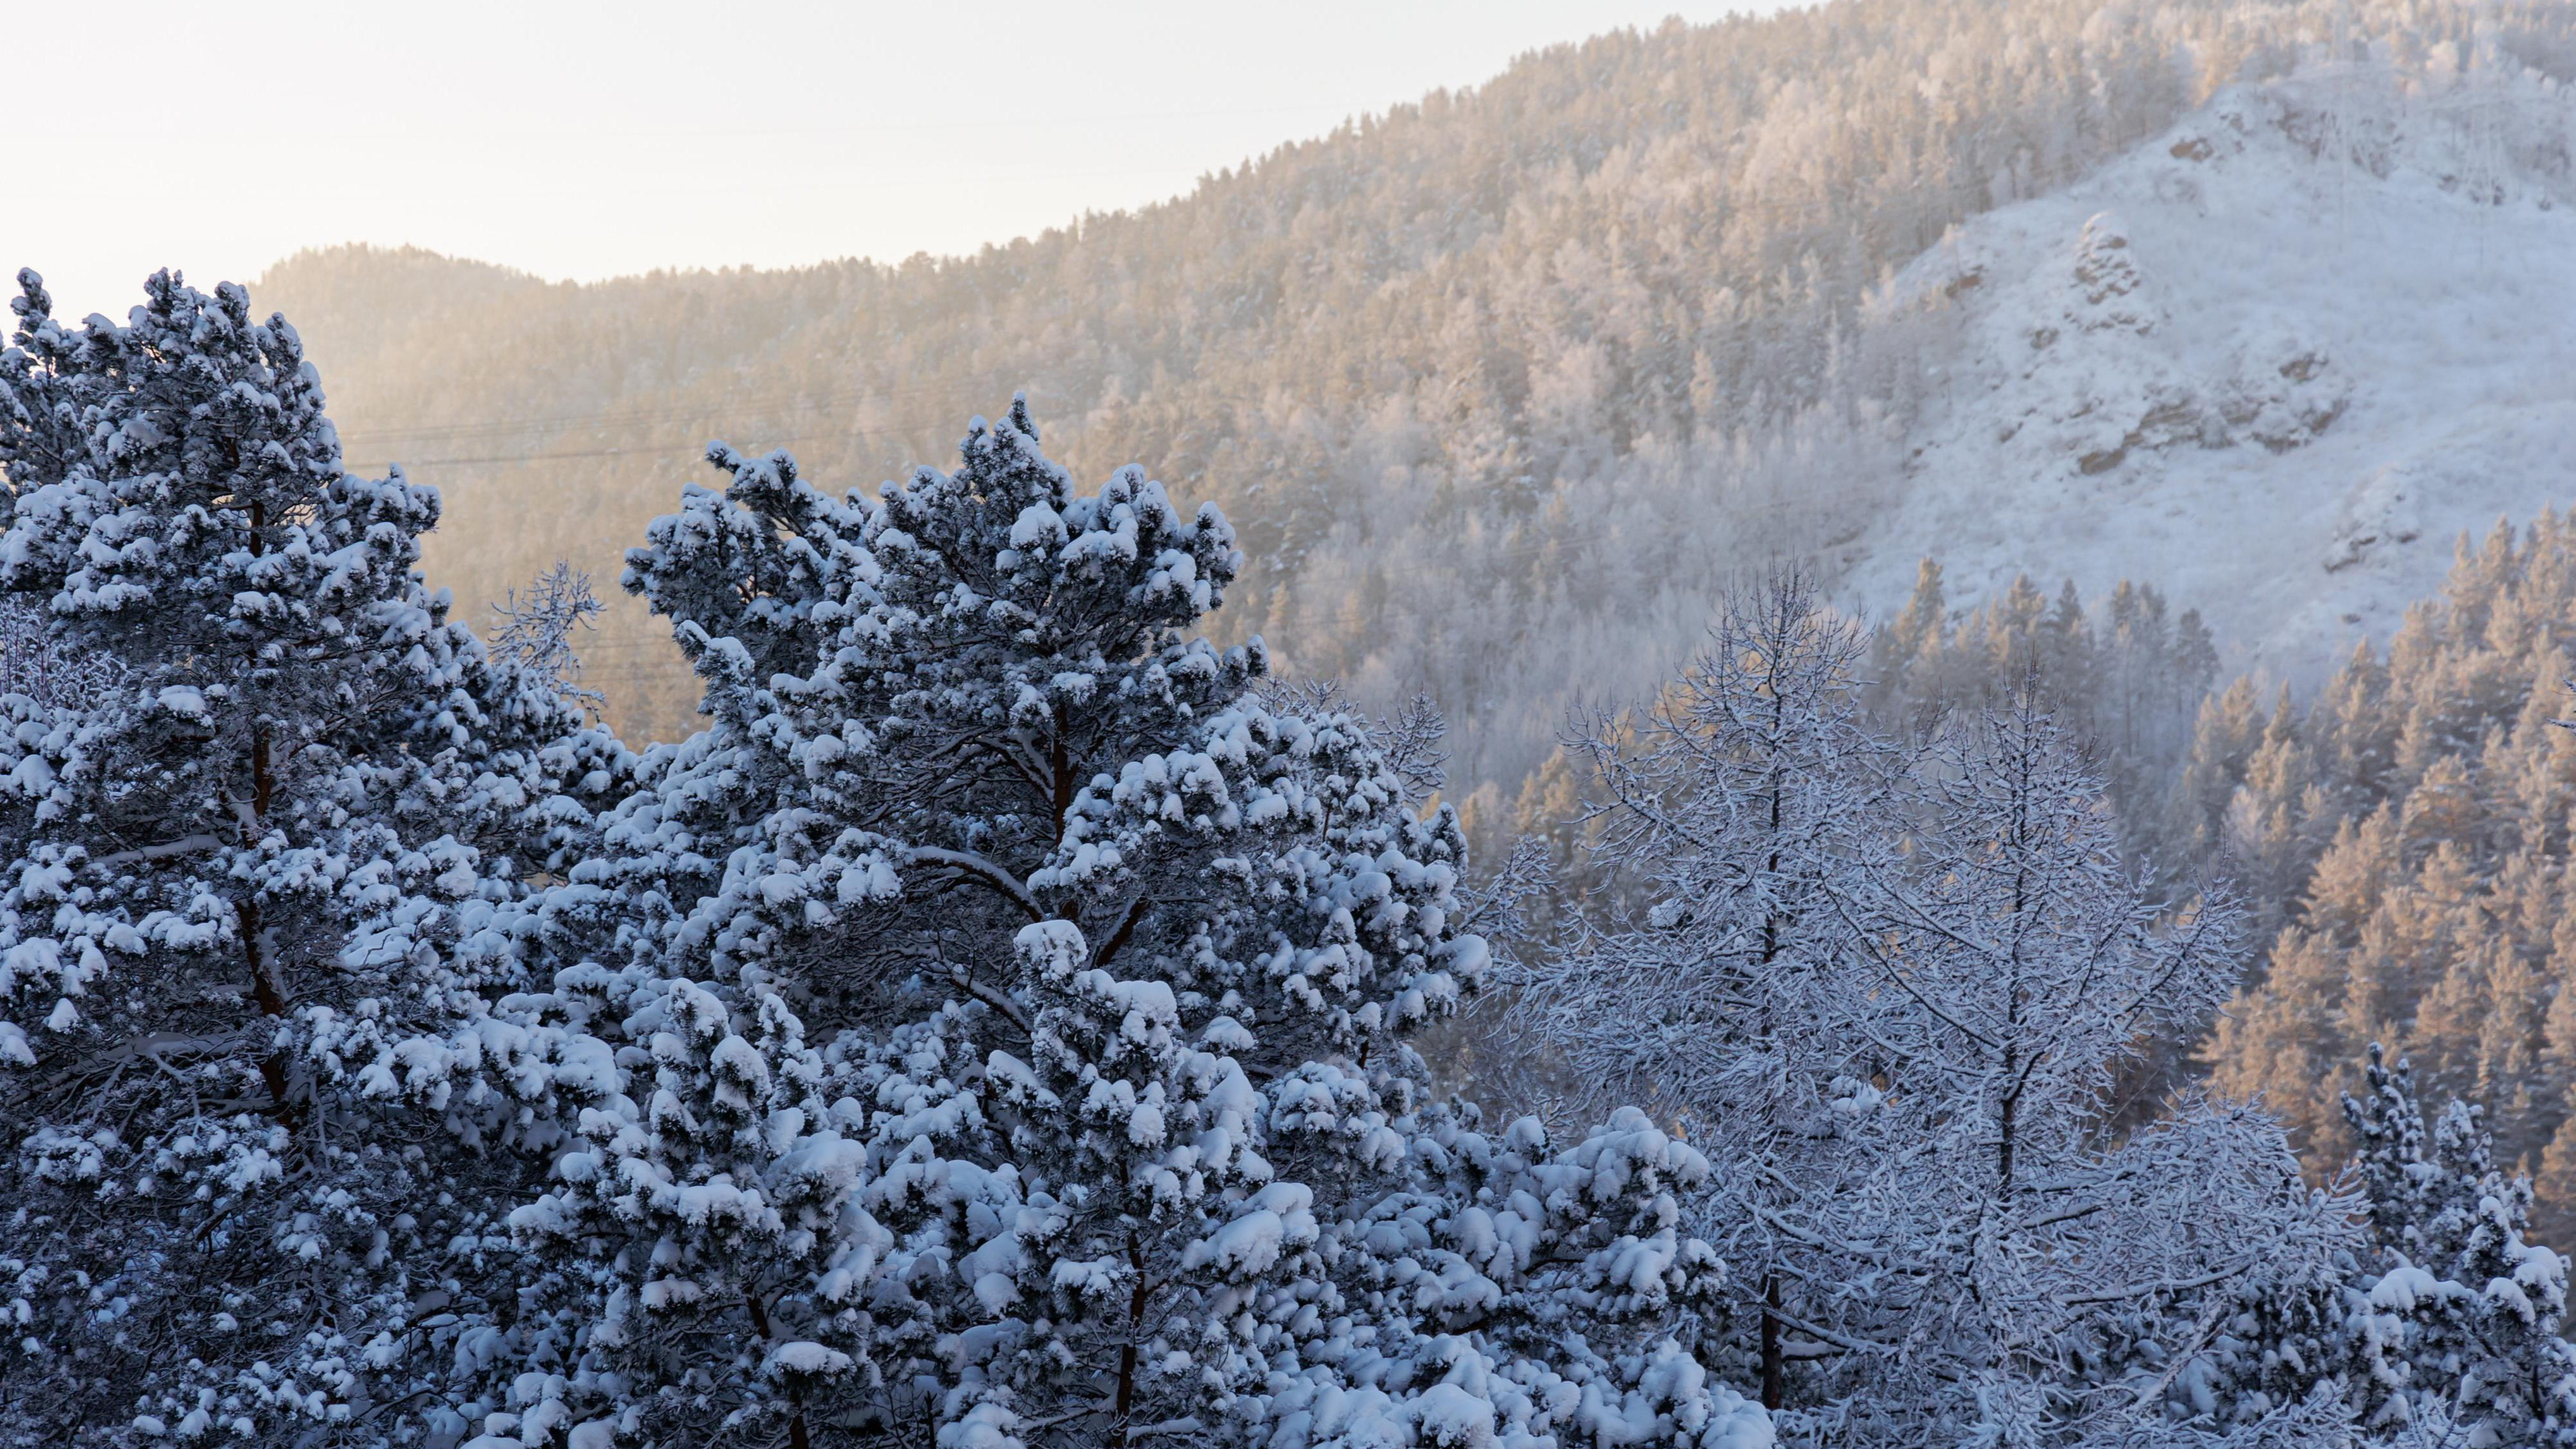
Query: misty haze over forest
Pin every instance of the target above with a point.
(1842, 728)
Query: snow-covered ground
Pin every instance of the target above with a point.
(2273, 362)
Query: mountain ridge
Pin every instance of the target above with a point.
(1499, 389)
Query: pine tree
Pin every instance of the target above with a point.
(2468, 1310)
(46, 389)
(247, 859)
(1110, 954)
(1910, 640)
(720, 1216)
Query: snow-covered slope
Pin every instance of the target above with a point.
(2275, 361)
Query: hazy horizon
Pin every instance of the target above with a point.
(581, 151)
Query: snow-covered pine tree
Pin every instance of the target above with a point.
(1144, 1260)
(2466, 1313)
(44, 389)
(41, 380)
(1896, 993)
(721, 1209)
(1109, 960)
(239, 872)
(1571, 1270)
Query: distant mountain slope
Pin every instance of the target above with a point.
(2278, 359)
(1499, 388)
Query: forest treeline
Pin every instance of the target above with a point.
(2399, 836)
(1502, 387)
(1001, 1024)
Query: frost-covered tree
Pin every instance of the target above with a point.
(2467, 1313)
(1904, 989)
(241, 861)
(2008, 967)
(721, 1210)
(1108, 956)
(535, 629)
(1738, 799)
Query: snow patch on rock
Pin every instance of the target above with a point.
(2273, 361)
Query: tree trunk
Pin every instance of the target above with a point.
(1774, 1371)
(797, 1438)
(266, 988)
(1126, 1400)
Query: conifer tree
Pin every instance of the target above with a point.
(2468, 1311)
(722, 1209)
(1109, 956)
(244, 866)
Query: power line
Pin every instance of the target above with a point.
(1576, 536)
(727, 412)
(662, 453)
(631, 672)
(370, 444)
(635, 416)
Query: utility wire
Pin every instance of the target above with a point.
(376, 444)
(638, 416)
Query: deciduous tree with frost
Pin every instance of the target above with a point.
(1738, 802)
(1891, 995)
(2465, 1314)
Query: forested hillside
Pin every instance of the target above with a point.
(2399, 834)
(996, 1027)
(1340, 868)
(2404, 835)
(1500, 386)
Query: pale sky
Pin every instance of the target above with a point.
(594, 140)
